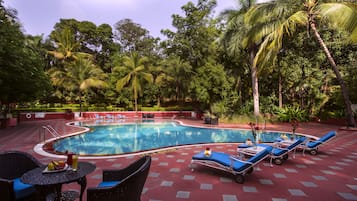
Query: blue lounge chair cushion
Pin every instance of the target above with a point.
(218, 157)
(278, 151)
(22, 190)
(323, 139)
(108, 183)
(226, 160)
(259, 156)
(296, 143)
(281, 151)
(313, 144)
(223, 159)
(265, 146)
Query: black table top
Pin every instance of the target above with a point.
(37, 177)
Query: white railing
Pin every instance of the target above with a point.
(50, 130)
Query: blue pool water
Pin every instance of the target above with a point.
(137, 137)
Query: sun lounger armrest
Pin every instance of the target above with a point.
(236, 159)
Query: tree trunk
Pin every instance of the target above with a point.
(349, 114)
(80, 104)
(135, 100)
(158, 102)
(255, 87)
(238, 88)
(280, 88)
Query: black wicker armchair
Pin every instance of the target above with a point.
(125, 184)
(13, 164)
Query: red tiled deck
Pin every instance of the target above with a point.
(330, 175)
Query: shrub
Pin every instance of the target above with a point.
(290, 113)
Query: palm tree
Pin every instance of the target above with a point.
(178, 73)
(136, 74)
(232, 40)
(339, 15)
(80, 75)
(66, 46)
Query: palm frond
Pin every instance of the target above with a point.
(123, 82)
(339, 15)
(272, 43)
(354, 35)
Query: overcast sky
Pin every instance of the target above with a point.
(39, 16)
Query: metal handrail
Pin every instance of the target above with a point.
(51, 130)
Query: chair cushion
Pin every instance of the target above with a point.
(313, 144)
(261, 155)
(22, 190)
(225, 159)
(278, 151)
(296, 143)
(325, 138)
(218, 157)
(108, 183)
(328, 136)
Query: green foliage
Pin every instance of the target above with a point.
(191, 71)
(245, 108)
(21, 64)
(196, 32)
(290, 113)
(134, 38)
(136, 75)
(269, 104)
(211, 85)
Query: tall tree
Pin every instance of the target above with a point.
(73, 37)
(232, 39)
(177, 74)
(211, 85)
(78, 76)
(196, 32)
(309, 14)
(136, 74)
(66, 45)
(134, 38)
(22, 76)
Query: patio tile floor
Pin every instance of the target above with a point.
(330, 175)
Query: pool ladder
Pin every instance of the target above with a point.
(50, 130)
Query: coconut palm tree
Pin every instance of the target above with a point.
(178, 73)
(232, 39)
(66, 46)
(272, 21)
(136, 74)
(78, 76)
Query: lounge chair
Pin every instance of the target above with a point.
(13, 165)
(280, 154)
(222, 161)
(313, 146)
(124, 184)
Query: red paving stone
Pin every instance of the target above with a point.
(330, 175)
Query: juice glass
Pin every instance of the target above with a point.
(74, 162)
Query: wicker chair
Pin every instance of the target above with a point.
(13, 165)
(125, 184)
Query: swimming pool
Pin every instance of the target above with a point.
(126, 138)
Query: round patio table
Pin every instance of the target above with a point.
(43, 181)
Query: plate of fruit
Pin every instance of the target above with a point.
(55, 166)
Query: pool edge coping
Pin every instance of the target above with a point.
(38, 148)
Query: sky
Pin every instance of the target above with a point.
(39, 16)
